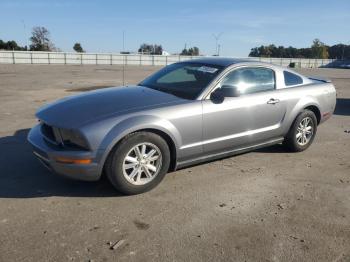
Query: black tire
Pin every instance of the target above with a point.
(291, 141)
(114, 165)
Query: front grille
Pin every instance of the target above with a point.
(48, 131)
(62, 138)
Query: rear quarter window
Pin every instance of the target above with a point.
(291, 79)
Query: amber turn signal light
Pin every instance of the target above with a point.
(64, 160)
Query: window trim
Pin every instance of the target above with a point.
(230, 70)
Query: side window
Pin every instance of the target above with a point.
(291, 79)
(251, 79)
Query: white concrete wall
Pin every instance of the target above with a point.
(34, 57)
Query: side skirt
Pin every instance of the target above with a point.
(225, 154)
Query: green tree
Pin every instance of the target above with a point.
(339, 51)
(145, 48)
(184, 51)
(11, 45)
(150, 49)
(254, 52)
(157, 50)
(77, 48)
(305, 52)
(41, 40)
(193, 51)
(319, 49)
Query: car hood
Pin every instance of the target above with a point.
(74, 111)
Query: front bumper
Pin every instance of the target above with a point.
(47, 154)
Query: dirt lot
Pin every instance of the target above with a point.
(268, 205)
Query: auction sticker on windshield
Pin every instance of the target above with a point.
(207, 69)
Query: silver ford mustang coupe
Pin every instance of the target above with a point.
(186, 113)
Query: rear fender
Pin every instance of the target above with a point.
(298, 108)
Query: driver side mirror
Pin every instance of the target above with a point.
(225, 91)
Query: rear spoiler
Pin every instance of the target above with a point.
(321, 79)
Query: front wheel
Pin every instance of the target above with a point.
(302, 132)
(138, 163)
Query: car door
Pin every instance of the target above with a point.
(253, 117)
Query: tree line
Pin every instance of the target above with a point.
(155, 49)
(11, 45)
(41, 41)
(317, 50)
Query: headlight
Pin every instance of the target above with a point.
(73, 138)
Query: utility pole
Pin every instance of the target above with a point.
(25, 34)
(123, 41)
(217, 37)
(124, 58)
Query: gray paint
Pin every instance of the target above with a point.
(200, 129)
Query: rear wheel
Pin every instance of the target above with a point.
(138, 163)
(302, 132)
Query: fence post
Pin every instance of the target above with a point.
(141, 60)
(81, 59)
(48, 57)
(96, 60)
(153, 60)
(31, 57)
(166, 60)
(111, 57)
(65, 58)
(13, 58)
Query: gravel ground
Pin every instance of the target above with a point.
(267, 205)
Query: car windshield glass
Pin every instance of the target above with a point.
(185, 80)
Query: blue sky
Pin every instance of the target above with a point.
(98, 25)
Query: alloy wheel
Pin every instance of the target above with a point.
(142, 163)
(305, 131)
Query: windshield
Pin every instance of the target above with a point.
(185, 80)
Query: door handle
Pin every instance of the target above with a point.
(273, 101)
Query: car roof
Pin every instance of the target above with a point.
(221, 61)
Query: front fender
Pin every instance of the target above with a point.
(133, 124)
